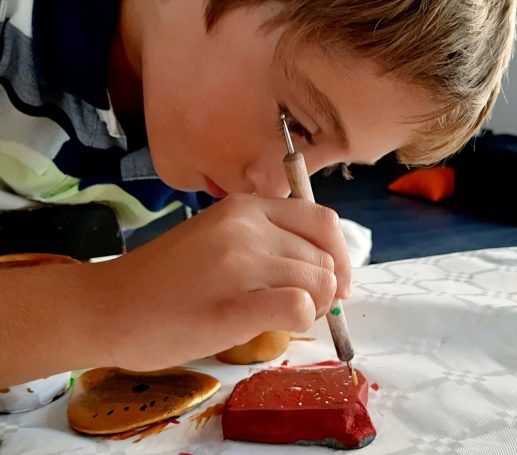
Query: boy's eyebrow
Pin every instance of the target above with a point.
(319, 101)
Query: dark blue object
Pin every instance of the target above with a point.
(405, 227)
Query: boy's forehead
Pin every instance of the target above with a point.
(358, 100)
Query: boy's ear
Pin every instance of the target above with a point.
(434, 183)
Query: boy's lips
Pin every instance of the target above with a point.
(213, 189)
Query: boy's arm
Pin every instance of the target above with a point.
(244, 266)
(50, 321)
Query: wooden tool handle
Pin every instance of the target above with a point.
(339, 331)
(300, 184)
(298, 177)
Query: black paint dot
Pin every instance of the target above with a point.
(94, 415)
(151, 403)
(139, 388)
(110, 412)
(143, 407)
(165, 398)
(126, 408)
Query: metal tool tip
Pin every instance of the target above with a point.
(288, 140)
(355, 381)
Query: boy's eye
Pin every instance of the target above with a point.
(295, 127)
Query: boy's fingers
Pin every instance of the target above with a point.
(288, 308)
(296, 247)
(319, 282)
(320, 226)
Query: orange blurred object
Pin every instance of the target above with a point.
(264, 347)
(29, 259)
(434, 184)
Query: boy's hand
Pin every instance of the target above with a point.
(243, 266)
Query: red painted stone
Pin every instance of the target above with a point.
(309, 405)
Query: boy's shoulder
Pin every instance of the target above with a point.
(53, 84)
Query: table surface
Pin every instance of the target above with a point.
(437, 335)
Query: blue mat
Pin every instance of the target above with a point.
(405, 227)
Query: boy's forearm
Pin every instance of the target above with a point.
(51, 321)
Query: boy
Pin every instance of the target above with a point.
(356, 79)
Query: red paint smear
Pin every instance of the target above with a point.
(375, 386)
(173, 420)
(185, 453)
(204, 416)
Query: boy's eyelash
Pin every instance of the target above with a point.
(294, 125)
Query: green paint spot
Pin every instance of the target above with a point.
(335, 311)
(72, 380)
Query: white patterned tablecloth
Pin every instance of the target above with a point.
(438, 335)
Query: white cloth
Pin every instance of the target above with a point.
(359, 241)
(9, 201)
(437, 335)
(33, 394)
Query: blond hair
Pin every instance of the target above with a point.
(458, 50)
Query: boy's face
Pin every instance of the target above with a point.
(212, 106)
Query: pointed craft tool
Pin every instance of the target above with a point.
(299, 182)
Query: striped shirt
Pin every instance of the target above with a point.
(60, 141)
